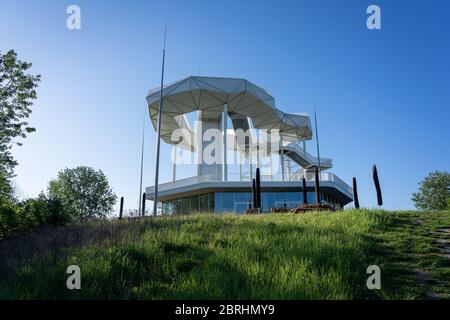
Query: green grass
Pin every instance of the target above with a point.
(415, 250)
(276, 256)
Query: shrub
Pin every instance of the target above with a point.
(43, 210)
(31, 214)
(9, 222)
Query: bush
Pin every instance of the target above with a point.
(31, 214)
(9, 222)
(42, 210)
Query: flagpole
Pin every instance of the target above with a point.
(158, 140)
(142, 168)
(317, 140)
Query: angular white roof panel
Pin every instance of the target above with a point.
(209, 94)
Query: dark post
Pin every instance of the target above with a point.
(143, 204)
(254, 193)
(377, 185)
(121, 208)
(355, 194)
(258, 188)
(305, 194)
(317, 189)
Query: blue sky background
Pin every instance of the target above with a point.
(382, 96)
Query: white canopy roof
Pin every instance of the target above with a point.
(210, 94)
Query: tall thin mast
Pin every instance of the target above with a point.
(158, 140)
(317, 140)
(142, 169)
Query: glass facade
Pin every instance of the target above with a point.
(191, 204)
(238, 202)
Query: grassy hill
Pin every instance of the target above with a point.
(275, 256)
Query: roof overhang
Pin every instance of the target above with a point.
(210, 94)
(340, 192)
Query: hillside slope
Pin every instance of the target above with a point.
(276, 256)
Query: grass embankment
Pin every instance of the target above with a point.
(276, 256)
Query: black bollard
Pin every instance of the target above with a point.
(377, 185)
(254, 192)
(121, 208)
(258, 188)
(305, 194)
(317, 186)
(355, 194)
(143, 204)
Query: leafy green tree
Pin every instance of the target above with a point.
(17, 93)
(84, 192)
(434, 192)
(6, 190)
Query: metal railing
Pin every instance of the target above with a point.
(184, 182)
(309, 176)
(307, 156)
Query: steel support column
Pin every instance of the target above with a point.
(225, 127)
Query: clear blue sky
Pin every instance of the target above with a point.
(382, 96)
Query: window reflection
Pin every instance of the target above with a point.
(238, 202)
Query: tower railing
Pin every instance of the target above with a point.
(309, 176)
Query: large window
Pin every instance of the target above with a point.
(311, 197)
(188, 205)
(286, 200)
(268, 201)
(238, 202)
(203, 202)
(227, 202)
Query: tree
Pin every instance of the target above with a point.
(17, 92)
(434, 192)
(6, 190)
(84, 192)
